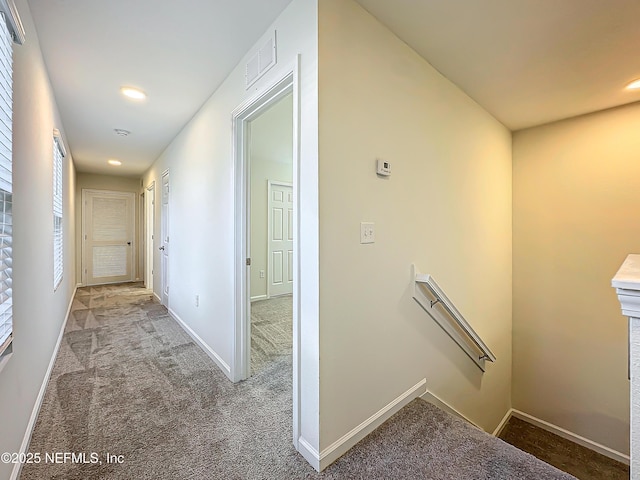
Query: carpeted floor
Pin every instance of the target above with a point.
(271, 331)
(129, 382)
(568, 456)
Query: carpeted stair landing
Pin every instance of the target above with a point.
(129, 382)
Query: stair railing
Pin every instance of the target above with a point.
(429, 296)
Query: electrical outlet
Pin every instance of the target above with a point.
(197, 300)
(261, 273)
(367, 232)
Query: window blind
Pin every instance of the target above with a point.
(6, 190)
(58, 255)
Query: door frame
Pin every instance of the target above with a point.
(270, 184)
(240, 367)
(83, 256)
(165, 223)
(149, 225)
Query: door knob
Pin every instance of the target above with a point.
(161, 248)
(128, 243)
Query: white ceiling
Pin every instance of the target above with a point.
(527, 62)
(178, 52)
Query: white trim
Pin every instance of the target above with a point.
(244, 113)
(432, 398)
(78, 285)
(13, 21)
(258, 298)
(288, 82)
(202, 344)
(575, 438)
(149, 226)
(24, 447)
(157, 298)
(296, 426)
(309, 453)
(57, 137)
(503, 423)
(348, 440)
(165, 228)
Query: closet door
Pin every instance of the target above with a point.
(108, 234)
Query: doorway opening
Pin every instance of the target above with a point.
(149, 225)
(271, 212)
(164, 238)
(256, 265)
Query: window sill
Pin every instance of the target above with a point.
(5, 356)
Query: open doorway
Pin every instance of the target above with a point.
(164, 238)
(240, 368)
(271, 214)
(149, 225)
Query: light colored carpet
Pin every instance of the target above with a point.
(128, 381)
(271, 331)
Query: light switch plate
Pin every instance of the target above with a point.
(367, 232)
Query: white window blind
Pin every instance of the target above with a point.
(6, 190)
(58, 255)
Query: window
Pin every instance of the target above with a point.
(10, 30)
(58, 253)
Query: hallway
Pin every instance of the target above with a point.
(129, 382)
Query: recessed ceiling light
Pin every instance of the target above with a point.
(117, 163)
(635, 85)
(121, 131)
(134, 93)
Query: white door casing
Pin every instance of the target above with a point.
(280, 239)
(108, 233)
(164, 247)
(241, 361)
(149, 202)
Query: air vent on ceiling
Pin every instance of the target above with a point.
(261, 61)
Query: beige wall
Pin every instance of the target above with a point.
(114, 183)
(576, 203)
(38, 311)
(271, 159)
(446, 207)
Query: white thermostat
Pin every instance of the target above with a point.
(383, 168)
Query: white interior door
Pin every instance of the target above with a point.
(280, 243)
(149, 206)
(164, 247)
(108, 234)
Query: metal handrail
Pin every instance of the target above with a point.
(442, 299)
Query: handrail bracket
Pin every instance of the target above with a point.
(451, 321)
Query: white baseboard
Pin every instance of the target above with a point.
(258, 297)
(201, 343)
(575, 438)
(309, 453)
(24, 447)
(157, 297)
(503, 423)
(431, 397)
(78, 285)
(347, 441)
